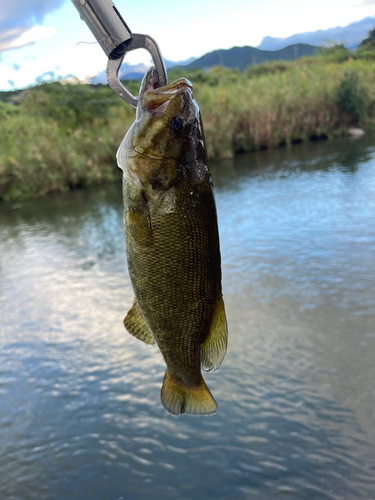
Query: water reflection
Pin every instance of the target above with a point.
(80, 414)
(346, 156)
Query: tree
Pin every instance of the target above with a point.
(369, 42)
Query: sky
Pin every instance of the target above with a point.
(47, 37)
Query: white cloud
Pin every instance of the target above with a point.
(31, 36)
(8, 36)
(180, 37)
(21, 20)
(82, 61)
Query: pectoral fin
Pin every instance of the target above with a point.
(137, 326)
(215, 345)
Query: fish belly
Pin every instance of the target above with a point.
(173, 257)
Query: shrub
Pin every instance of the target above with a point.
(63, 136)
(267, 68)
(71, 105)
(351, 95)
(335, 52)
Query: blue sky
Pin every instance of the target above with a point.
(39, 36)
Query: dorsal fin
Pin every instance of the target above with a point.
(137, 326)
(215, 345)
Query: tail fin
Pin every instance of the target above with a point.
(178, 398)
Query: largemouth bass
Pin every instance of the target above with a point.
(172, 242)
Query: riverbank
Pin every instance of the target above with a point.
(57, 137)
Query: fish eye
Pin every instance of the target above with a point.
(177, 124)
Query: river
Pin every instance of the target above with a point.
(80, 410)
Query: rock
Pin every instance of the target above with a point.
(356, 132)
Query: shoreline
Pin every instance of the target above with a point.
(63, 136)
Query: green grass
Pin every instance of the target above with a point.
(51, 145)
(62, 136)
(284, 106)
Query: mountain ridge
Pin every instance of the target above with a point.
(270, 49)
(351, 35)
(242, 57)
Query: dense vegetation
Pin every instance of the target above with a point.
(57, 136)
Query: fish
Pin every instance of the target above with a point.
(172, 242)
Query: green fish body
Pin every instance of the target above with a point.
(172, 243)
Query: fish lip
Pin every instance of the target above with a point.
(154, 83)
(176, 86)
(156, 99)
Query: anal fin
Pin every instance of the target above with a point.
(215, 345)
(137, 326)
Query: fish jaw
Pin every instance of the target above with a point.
(166, 120)
(158, 100)
(151, 91)
(166, 135)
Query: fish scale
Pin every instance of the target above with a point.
(172, 244)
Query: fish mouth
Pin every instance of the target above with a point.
(156, 98)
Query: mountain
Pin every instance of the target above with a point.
(170, 64)
(242, 57)
(126, 72)
(135, 71)
(270, 49)
(350, 35)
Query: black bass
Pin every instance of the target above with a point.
(172, 242)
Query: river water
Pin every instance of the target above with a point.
(80, 412)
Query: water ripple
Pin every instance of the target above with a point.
(80, 411)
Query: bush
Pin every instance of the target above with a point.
(7, 109)
(72, 105)
(60, 137)
(365, 53)
(336, 52)
(369, 42)
(267, 68)
(63, 136)
(351, 95)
